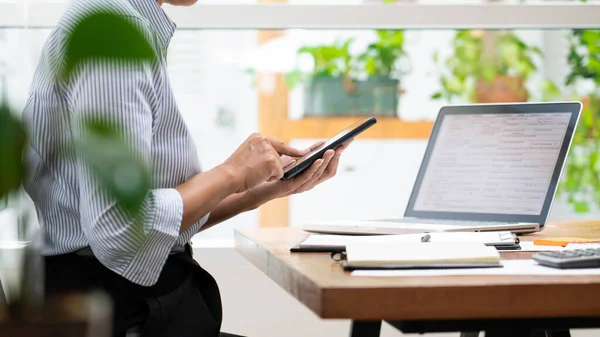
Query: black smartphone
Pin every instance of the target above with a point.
(296, 167)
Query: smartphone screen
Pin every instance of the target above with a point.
(326, 144)
(315, 151)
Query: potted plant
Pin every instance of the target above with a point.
(343, 84)
(329, 86)
(381, 63)
(581, 179)
(488, 66)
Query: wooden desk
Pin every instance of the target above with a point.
(452, 302)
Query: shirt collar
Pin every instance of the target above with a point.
(163, 26)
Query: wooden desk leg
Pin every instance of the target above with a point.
(365, 328)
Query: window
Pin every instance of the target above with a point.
(219, 76)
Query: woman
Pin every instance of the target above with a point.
(89, 240)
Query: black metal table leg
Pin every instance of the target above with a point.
(510, 333)
(469, 334)
(528, 333)
(365, 328)
(559, 333)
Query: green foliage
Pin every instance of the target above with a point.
(330, 60)
(117, 168)
(381, 59)
(107, 36)
(103, 35)
(584, 56)
(12, 143)
(581, 179)
(99, 35)
(470, 62)
(549, 91)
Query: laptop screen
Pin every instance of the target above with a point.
(494, 163)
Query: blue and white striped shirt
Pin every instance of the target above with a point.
(73, 210)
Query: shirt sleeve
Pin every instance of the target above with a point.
(122, 93)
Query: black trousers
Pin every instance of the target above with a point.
(184, 302)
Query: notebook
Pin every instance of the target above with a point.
(337, 243)
(420, 256)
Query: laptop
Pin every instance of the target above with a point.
(487, 167)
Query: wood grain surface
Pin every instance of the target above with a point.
(323, 286)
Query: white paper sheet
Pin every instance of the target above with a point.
(511, 267)
(583, 245)
(528, 246)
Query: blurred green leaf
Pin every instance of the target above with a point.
(330, 60)
(104, 35)
(382, 58)
(470, 61)
(293, 78)
(549, 91)
(593, 160)
(120, 173)
(594, 65)
(573, 184)
(581, 207)
(537, 50)
(587, 117)
(12, 143)
(436, 96)
(489, 73)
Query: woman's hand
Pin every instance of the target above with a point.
(257, 160)
(321, 170)
(318, 172)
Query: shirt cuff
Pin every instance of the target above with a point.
(160, 237)
(186, 236)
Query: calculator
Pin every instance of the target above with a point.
(577, 258)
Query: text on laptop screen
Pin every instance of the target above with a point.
(492, 163)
